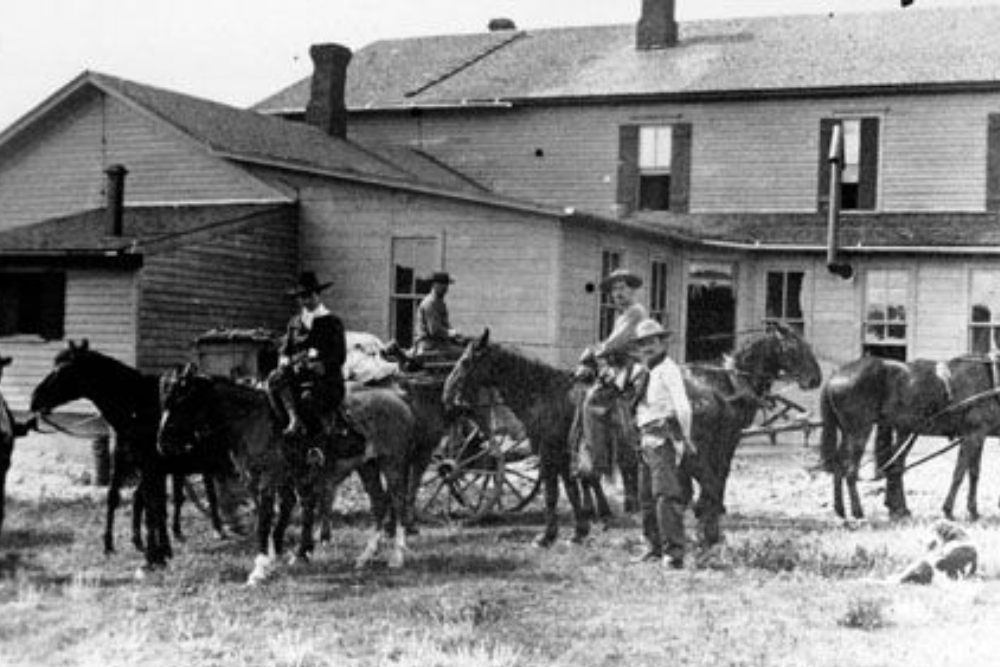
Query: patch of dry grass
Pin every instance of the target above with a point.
(790, 586)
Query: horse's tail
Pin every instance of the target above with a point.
(830, 438)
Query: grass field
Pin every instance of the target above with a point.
(790, 586)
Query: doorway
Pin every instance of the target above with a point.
(711, 311)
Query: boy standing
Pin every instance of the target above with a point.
(663, 416)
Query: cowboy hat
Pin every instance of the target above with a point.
(307, 284)
(649, 330)
(442, 277)
(621, 275)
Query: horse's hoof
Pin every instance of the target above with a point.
(544, 541)
(150, 573)
(948, 514)
(412, 530)
(220, 535)
(180, 537)
(973, 515)
(262, 568)
(900, 514)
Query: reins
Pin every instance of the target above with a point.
(70, 431)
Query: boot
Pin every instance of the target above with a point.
(296, 427)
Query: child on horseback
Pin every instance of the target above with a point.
(309, 382)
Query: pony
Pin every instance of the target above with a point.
(130, 402)
(903, 400)
(198, 408)
(724, 401)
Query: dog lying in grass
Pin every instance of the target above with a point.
(950, 551)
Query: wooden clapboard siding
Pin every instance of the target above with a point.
(60, 170)
(502, 260)
(229, 277)
(101, 307)
(747, 156)
(579, 288)
(941, 316)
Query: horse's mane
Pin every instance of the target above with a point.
(239, 393)
(527, 380)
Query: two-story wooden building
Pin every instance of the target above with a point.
(718, 132)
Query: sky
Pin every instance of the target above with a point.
(241, 51)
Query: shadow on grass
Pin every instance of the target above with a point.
(21, 539)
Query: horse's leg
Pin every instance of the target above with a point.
(550, 479)
(371, 479)
(264, 499)
(974, 458)
(628, 466)
(310, 495)
(580, 516)
(838, 490)
(420, 459)
(286, 505)
(586, 488)
(851, 475)
(153, 488)
(177, 481)
(886, 445)
(601, 501)
(137, 516)
(962, 466)
(213, 506)
(397, 485)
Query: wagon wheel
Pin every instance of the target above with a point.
(521, 475)
(463, 480)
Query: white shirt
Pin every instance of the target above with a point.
(665, 397)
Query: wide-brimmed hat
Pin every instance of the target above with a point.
(649, 330)
(623, 275)
(307, 284)
(442, 277)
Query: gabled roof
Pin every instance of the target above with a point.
(86, 233)
(894, 50)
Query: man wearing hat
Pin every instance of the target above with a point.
(621, 284)
(434, 332)
(663, 416)
(309, 373)
(9, 430)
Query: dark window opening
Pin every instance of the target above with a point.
(654, 192)
(33, 304)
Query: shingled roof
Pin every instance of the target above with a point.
(809, 54)
(935, 232)
(86, 233)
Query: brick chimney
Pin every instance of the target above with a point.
(114, 193)
(327, 109)
(657, 27)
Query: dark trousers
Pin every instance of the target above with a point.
(661, 498)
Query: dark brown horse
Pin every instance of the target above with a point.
(198, 408)
(724, 402)
(903, 400)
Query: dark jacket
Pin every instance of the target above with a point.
(326, 337)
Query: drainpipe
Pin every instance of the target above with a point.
(836, 159)
(115, 198)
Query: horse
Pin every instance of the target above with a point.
(198, 407)
(130, 402)
(10, 430)
(921, 397)
(724, 401)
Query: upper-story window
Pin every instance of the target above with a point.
(859, 174)
(655, 149)
(783, 301)
(33, 303)
(654, 167)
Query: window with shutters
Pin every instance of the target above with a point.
(859, 174)
(33, 303)
(654, 167)
(413, 261)
(655, 152)
(610, 260)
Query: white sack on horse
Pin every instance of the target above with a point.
(364, 363)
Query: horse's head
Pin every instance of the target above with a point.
(71, 375)
(187, 400)
(791, 356)
(472, 372)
